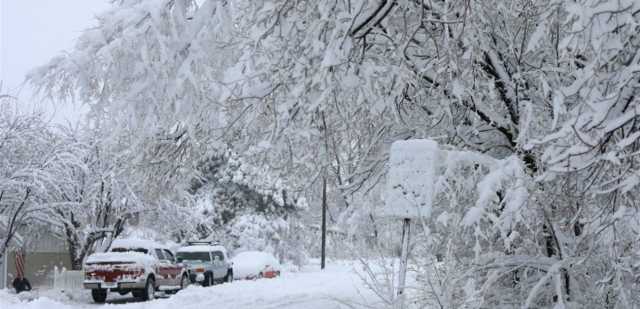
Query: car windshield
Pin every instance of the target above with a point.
(193, 256)
(141, 250)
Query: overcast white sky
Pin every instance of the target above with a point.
(34, 31)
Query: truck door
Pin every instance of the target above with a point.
(174, 269)
(163, 270)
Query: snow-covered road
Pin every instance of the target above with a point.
(336, 287)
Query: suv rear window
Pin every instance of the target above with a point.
(193, 256)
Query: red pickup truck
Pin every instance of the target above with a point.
(138, 266)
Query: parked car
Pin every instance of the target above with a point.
(138, 266)
(207, 263)
(255, 264)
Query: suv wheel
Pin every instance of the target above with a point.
(99, 295)
(149, 290)
(208, 280)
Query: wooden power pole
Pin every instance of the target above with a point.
(324, 222)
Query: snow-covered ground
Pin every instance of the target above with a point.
(335, 287)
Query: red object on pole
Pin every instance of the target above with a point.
(20, 264)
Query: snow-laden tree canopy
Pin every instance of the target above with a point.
(36, 171)
(546, 90)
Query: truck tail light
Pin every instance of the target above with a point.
(89, 272)
(199, 270)
(133, 271)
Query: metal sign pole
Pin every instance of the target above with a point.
(413, 169)
(404, 258)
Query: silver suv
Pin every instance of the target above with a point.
(207, 263)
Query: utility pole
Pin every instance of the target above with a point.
(324, 222)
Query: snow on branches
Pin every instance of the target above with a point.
(311, 89)
(35, 171)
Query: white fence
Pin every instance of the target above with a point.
(67, 280)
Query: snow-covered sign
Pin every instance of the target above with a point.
(412, 176)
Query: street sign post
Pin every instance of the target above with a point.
(410, 187)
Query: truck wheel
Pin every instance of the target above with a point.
(99, 295)
(184, 282)
(138, 293)
(229, 277)
(149, 290)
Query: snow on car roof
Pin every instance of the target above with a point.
(254, 256)
(136, 243)
(202, 248)
(122, 257)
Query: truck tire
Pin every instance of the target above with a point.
(184, 282)
(138, 293)
(99, 295)
(149, 289)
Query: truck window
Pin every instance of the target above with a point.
(168, 255)
(159, 254)
(120, 249)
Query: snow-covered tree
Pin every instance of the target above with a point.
(241, 205)
(99, 197)
(545, 90)
(169, 109)
(35, 170)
